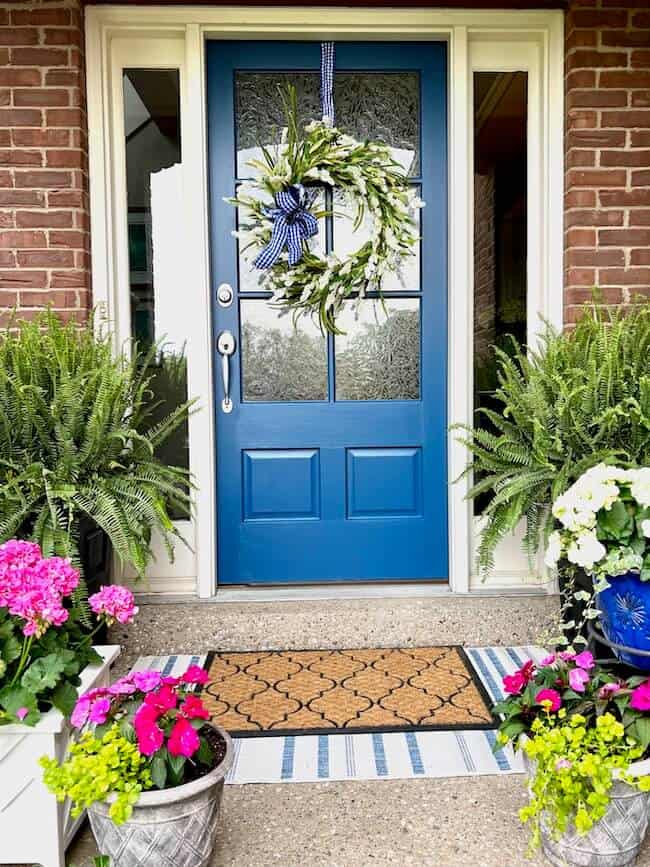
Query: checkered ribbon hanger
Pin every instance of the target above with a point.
(292, 221)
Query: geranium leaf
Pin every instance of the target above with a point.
(16, 698)
(65, 697)
(10, 648)
(44, 673)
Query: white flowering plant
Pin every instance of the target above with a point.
(368, 176)
(604, 522)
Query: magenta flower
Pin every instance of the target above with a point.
(567, 655)
(514, 683)
(193, 708)
(115, 603)
(640, 698)
(548, 660)
(585, 660)
(149, 735)
(195, 674)
(550, 699)
(22, 712)
(79, 715)
(607, 690)
(577, 679)
(163, 700)
(99, 711)
(146, 681)
(183, 740)
(123, 686)
(563, 765)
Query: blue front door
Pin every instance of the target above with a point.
(332, 464)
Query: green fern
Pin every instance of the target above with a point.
(77, 439)
(582, 397)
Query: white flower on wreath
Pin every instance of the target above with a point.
(586, 550)
(553, 549)
(640, 487)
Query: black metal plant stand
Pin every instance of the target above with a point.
(598, 640)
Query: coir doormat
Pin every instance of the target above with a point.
(282, 692)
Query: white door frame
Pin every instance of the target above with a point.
(119, 36)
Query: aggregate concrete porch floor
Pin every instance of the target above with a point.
(467, 822)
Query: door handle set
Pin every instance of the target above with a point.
(225, 347)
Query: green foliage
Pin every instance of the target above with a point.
(76, 439)
(581, 398)
(574, 768)
(97, 768)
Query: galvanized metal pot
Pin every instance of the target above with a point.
(169, 828)
(615, 840)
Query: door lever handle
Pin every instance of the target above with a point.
(226, 347)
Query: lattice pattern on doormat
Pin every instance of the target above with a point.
(361, 690)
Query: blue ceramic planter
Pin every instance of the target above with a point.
(625, 617)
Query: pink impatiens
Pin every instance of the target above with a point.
(550, 699)
(114, 602)
(640, 699)
(514, 683)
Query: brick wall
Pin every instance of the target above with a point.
(44, 224)
(607, 196)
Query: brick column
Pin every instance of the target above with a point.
(44, 223)
(607, 200)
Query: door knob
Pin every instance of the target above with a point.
(225, 347)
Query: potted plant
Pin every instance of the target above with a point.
(80, 448)
(585, 734)
(604, 528)
(146, 761)
(46, 655)
(580, 398)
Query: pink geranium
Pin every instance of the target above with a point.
(145, 681)
(577, 679)
(183, 739)
(115, 603)
(98, 712)
(640, 698)
(195, 674)
(549, 699)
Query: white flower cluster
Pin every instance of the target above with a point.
(578, 510)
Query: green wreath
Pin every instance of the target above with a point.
(305, 161)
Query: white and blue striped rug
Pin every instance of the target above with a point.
(388, 756)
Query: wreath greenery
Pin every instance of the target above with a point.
(368, 175)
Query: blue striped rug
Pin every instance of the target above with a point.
(376, 756)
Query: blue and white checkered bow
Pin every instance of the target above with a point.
(292, 224)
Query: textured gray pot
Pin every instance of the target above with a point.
(614, 841)
(169, 828)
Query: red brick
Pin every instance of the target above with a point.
(43, 179)
(581, 78)
(39, 56)
(19, 36)
(71, 240)
(596, 59)
(627, 119)
(17, 157)
(5, 96)
(640, 98)
(40, 96)
(41, 138)
(595, 258)
(625, 276)
(64, 117)
(641, 19)
(22, 240)
(594, 218)
(596, 178)
(580, 277)
(641, 179)
(20, 117)
(41, 17)
(66, 199)
(580, 199)
(44, 219)
(68, 159)
(640, 59)
(640, 138)
(599, 19)
(624, 198)
(59, 36)
(5, 138)
(625, 158)
(63, 77)
(582, 39)
(18, 279)
(624, 237)
(69, 279)
(640, 218)
(7, 259)
(10, 77)
(584, 296)
(640, 257)
(579, 157)
(597, 138)
(46, 259)
(7, 220)
(6, 179)
(22, 197)
(597, 98)
(624, 38)
(633, 79)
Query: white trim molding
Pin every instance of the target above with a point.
(119, 37)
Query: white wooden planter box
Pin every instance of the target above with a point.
(34, 826)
